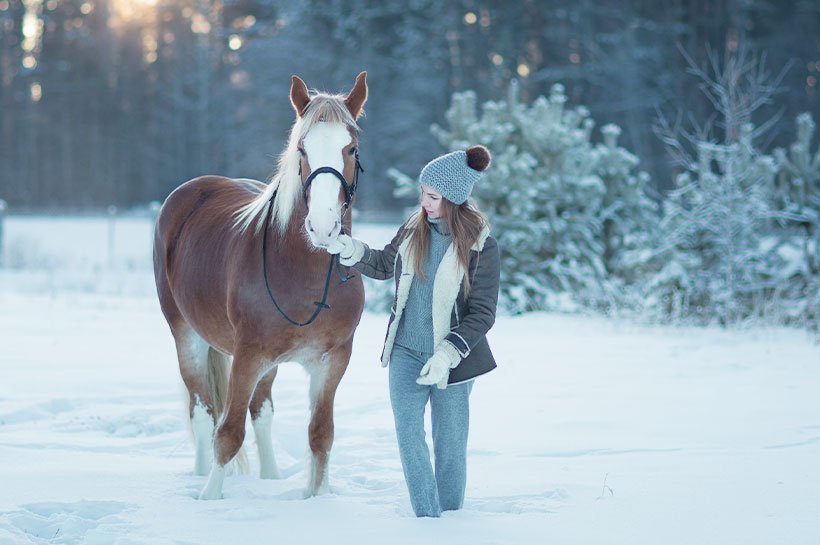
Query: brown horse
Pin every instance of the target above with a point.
(239, 267)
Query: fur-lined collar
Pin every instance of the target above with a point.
(446, 286)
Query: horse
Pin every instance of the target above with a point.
(239, 266)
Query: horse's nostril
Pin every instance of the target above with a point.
(309, 225)
(335, 229)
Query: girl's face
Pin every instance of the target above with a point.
(431, 202)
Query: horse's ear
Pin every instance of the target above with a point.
(358, 96)
(299, 96)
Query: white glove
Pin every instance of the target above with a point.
(437, 369)
(349, 249)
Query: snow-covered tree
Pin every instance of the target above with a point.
(717, 253)
(570, 216)
(629, 217)
(799, 215)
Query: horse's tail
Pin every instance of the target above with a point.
(219, 366)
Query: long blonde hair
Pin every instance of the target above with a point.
(465, 222)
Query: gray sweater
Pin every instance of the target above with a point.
(470, 317)
(416, 326)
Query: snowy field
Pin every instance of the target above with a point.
(592, 431)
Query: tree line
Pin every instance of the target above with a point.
(117, 102)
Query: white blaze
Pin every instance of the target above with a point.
(323, 145)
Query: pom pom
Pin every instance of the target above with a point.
(478, 158)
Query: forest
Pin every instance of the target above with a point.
(116, 102)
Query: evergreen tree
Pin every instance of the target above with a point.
(799, 206)
(720, 260)
(629, 217)
(718, 263)
(566, 212)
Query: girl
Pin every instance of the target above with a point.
(446, 269)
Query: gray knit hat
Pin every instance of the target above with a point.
(453, 175)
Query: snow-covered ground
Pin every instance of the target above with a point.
(591, 430)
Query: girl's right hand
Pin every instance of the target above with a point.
(343, 245)
(349, 249)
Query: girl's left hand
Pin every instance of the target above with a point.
(437, 369)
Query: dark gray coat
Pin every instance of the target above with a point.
(463, 321)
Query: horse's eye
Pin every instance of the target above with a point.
(302, 152)
(352, 151)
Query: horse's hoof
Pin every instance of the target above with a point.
(321, 490)
(213, 488)
(209, 495)
(269, 471)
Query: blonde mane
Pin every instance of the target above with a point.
(322, 108)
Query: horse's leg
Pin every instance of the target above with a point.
(261, 415)
(231, 431)
(324, 379)
(203, 369)
(192, 355)
(195, 357)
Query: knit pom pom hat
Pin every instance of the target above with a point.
(454, 175)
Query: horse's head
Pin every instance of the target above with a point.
(328, 156)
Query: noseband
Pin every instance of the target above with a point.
(350, 189)
(350, 192)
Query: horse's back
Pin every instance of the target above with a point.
(216, 193)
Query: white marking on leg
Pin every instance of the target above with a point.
(193, 351)
(196, 349)
(203, 428)
(213, 488)
(264, 444)
(318, 375)
(323, 486)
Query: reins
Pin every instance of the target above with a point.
(350, 191)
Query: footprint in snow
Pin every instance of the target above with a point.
(83, 522)
(548, 502)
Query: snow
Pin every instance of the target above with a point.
(590, 431)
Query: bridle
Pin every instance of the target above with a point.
(350, 189)
(350, 192)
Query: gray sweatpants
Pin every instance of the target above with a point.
(430, 493)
